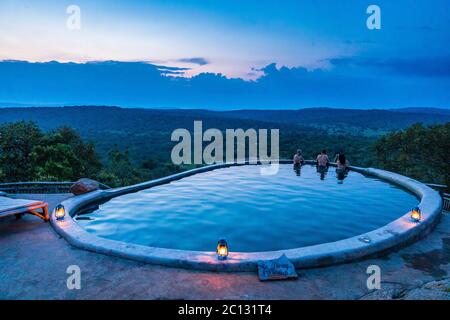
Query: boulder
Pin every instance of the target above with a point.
(83, 186)
(277, 269)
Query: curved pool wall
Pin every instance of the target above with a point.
(398, 233)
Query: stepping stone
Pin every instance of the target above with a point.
(277, 269)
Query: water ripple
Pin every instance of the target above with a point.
(253, 212)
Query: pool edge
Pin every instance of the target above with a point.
(398, 233)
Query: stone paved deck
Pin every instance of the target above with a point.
(33, 262)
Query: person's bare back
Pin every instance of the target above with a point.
(322, 160)
(298, 158)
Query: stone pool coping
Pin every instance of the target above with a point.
(391, 236)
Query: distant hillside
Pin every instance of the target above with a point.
(373, 119)
(136, 119)
(146, 132)
(423, 110)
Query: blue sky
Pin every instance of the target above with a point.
(307, 53)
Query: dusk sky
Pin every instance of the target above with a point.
(313, 53)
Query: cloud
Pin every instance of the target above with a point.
(197, 60)
(141, 84)
(171, 68)
(171, 71)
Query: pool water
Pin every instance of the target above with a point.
(252, 212)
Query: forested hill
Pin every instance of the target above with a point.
(146, 132)
(113, 117)
(370, 119)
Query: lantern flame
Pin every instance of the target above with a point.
(416, 215)
(222, 249)
(60, 212)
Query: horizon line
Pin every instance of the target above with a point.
(25, 106)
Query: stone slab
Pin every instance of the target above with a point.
(276, 269)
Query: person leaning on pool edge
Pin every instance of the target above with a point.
(322, 163)
(322, 160)
(341, 167)
(341, 162)
(298, 161)
(298, 158)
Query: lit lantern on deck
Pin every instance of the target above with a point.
(60, 212)
(416, 215)
(222, 249)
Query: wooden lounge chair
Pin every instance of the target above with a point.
(19, 207)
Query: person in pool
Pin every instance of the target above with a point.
(298, 161)
(298, 158)
(341, 162)
(322, 160)
(322, 163)
(341, 168)
(336, 157)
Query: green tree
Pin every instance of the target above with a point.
(421, 152)
(119, 170)
(27, 154)
(17, 140)
(63, 155)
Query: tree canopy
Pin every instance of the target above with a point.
(28, 154)
(421, 152)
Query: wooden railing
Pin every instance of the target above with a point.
(39, 187)
(446, 202)
(438, 187)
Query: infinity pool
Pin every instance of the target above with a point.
(252, 212)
